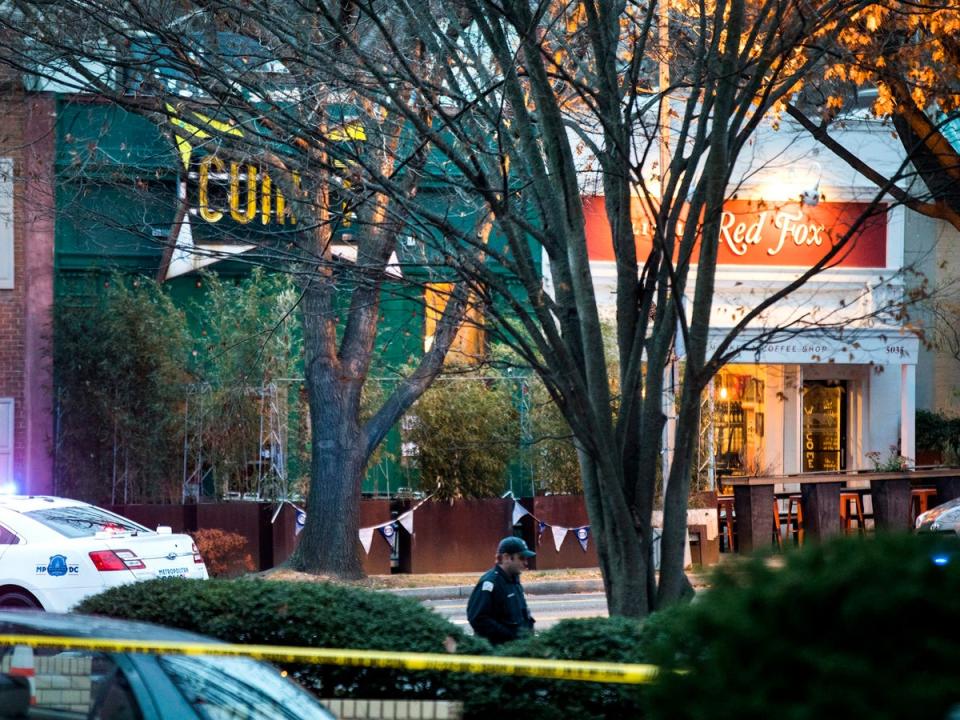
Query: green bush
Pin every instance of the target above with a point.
(614, 639)
(119, 360)
(300, 614)
(851, 628)
(466, 430)
(938, 433)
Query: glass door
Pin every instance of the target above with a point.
(824, 426)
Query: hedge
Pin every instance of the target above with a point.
(937, 432)
(300, 614)
(329, 615)
(614, 639)
(850, 628)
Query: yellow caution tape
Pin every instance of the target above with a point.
(622, 673)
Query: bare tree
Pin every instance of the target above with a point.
(500, 109)
(534, 86)
(264, 98)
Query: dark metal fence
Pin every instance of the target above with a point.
(448, 537)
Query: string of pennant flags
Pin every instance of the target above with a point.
(388, 529)
(559, 533)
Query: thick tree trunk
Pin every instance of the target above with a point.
(337, 468)
(626, 579)
(329, 541)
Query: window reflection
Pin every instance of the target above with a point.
(84, 521)
(72, 684)
(237, 688)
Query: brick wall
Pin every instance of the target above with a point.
(27, 138)
(13, 302)
(394, 709)
(62, 681)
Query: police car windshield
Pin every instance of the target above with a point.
(83, 521)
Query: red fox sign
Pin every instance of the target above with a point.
(755, 233)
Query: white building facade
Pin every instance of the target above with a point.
(826, 379)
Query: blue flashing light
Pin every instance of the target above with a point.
(941, 560)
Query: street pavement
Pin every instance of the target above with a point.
(547, 610)
(536, 587)
(549, 600)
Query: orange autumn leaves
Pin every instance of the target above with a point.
(908, 51)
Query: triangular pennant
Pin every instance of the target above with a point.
(559, 533)
(407, 521)
(300, 522)
(389, 533)
(366, 539)
(583, 535)
(541, 526)
(518, 512)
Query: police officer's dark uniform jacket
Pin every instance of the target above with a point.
(497, 609)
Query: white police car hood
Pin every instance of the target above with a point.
(943, 518)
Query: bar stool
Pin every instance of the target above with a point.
(777, 529)
(795, 512)
(851, 499)
(920, 501)
(725, 518)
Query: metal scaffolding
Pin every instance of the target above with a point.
(193, 427)
(525, 405)
(268, 459)
(272, 465)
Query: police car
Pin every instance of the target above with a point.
(55, 552)
(944, 518)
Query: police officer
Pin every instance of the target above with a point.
(497, 609)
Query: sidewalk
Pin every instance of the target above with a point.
(536, 587)
(557, 582)
(443, 586)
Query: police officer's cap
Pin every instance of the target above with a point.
(514, 546)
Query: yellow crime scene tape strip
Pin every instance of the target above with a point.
(621, 673)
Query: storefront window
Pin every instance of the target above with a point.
(737, 421)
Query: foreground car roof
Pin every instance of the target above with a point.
(93, 626)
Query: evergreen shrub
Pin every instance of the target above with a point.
(850, 628)
(938, 432)
(615, 639)
(300, 614)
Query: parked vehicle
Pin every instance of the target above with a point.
(54, 552)
(942, 518)
(115, 685)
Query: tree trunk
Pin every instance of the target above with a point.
(674, 584)
(337, 468)
(338, 457)
(624, 560)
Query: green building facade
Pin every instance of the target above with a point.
(117, 179)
